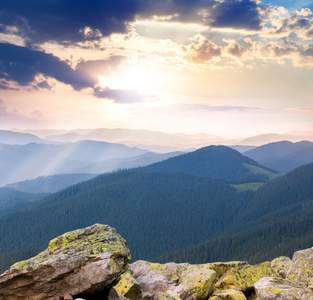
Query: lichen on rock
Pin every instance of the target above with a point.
(129, 287)
(275, 288)
(228, 295)
(79, 262)
(301, 268)
(281, 265)
(179, 280)
(243, 277)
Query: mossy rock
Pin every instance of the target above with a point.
(179, 280)
(228, 295)
(129, 287)
(242, 278)
(281, 265)
(277, 288)
(81, 262)
(301, 268)
(222, 267)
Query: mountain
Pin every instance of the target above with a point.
(283, 156)
(49, 184)
(218, 162)
(17, 138)
(280, 218)
(12, 200)
(174, 209)
(21, 162)
(147, 139)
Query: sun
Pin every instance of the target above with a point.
(143, 79)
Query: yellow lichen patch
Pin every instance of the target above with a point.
(89, 242)
(222, 267)
(129, 287)
(243, 277)
(228, 295)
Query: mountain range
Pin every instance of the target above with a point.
(178, 203)
(282, 156)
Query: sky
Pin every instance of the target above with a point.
(223, 67)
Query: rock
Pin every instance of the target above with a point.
(281, 265)
(243, 277)
(161, 296)
(228, 295)
(301, 268)
(185, 281)
(129, 287)
(113, 295)
(222, 267)
(79, 263)
(271, 288)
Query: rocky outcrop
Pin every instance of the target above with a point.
(79, 263)
(87, 263)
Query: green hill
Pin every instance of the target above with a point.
(218, 162)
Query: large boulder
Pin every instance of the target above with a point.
(222, 267)
(301, 268)
(183, 281)
(243, 277)
(80, 263)
(271, 288)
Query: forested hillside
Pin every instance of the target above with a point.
(171, 210)
(12, 200)
(218, 162)
(160, 212)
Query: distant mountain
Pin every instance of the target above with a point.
(12, 200)
(21, 162)
(127, 163)
(147, 139)
(218, 162)
(283, 156)
(49, 184)
(263, 139)
(16, 138)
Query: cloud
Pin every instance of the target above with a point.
(100, 67)
(21, 65)
(236, 14)
(119, 96)
(67, 20)
(72, 21)
(202, 50)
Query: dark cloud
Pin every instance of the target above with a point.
(21, 65)
(63, 20)
(71, 21)
(236, 14)
(119, 96)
